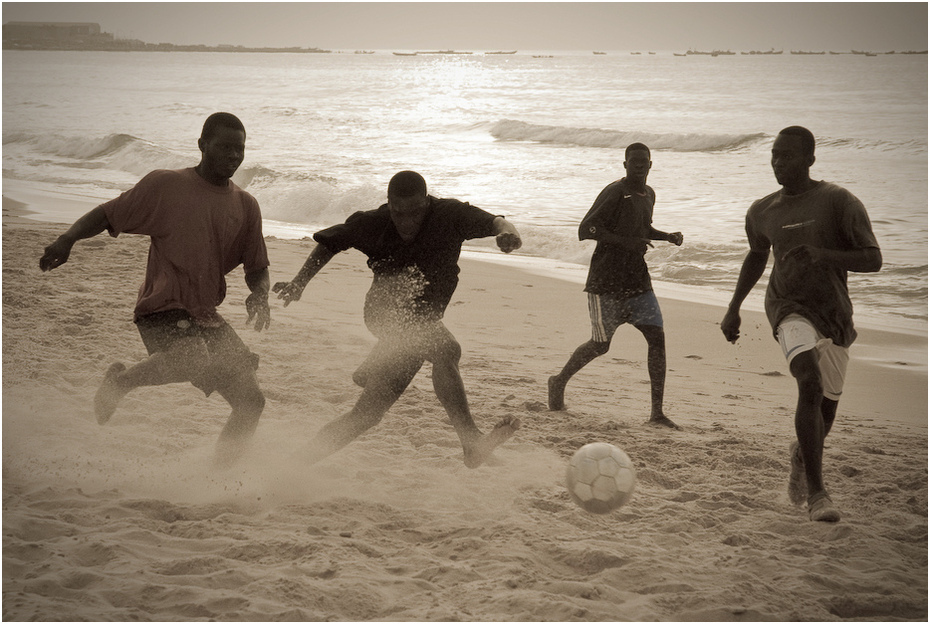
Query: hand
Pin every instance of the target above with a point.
(676, 238)
(56, 254)
(509, 241)
(256, 305)
(289, 291)
(730, 326)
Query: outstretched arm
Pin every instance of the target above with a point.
(508, 239)
(291, 291)
(256, 304)
(88, 226)
(752, 270)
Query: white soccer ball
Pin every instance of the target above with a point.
(600, 477)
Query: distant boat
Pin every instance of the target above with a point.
(871, 54)
(405, 54)
(652, 53)
(364, 52)
(600, 52)
(807, 53)
(442, 52)
(501, 52)
(635, 52)
(677, 54)
(542, 56)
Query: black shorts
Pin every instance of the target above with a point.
(229, 356)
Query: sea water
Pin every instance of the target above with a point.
(533, 136)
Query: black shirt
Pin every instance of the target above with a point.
(415, 278)
(615, 269)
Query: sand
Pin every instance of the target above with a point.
(130, 521)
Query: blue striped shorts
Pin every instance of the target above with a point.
(608, 312)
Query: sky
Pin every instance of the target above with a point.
(840, 26)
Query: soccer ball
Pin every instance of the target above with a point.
(600, 477)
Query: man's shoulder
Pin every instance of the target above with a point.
(835, 190)
(449, 203)
(765, 202)
(165, 176)
(616, 187)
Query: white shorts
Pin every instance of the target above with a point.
(796, 334)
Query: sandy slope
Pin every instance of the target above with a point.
(130, 521)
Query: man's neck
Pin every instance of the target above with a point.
(638, 187)
(801, 186)
(216, 181)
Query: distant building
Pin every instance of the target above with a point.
(55, 34)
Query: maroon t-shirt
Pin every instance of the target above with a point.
(199, 232)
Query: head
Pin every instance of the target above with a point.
(408, 203)
(222, 146)
(637, 160)
(793, 156)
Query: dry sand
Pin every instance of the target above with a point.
(130, 522)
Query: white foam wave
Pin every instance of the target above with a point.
(511, 130)
(121, 152)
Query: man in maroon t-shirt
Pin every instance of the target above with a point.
(201, 226)
(413, 244)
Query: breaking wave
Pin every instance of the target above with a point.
(510, 130)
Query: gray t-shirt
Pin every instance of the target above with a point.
(827, 216)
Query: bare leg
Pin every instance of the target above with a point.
(582, 356)
(811, 431)
(387, 379)
(184, 361)
(655, 339)
(247, 401)
(447, 382)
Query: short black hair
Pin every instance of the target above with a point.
(632, 147)
(406, 184)
(219, 120)
(807, 137)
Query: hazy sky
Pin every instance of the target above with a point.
(498, 25)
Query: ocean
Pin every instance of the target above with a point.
(533, 136)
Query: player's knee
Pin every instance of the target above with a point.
(446, 351)
(654, 334)
(806, 372)
(599, 348)
(809, 384)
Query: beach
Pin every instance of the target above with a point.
(131, 521)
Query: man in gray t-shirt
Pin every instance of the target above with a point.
(819, 232)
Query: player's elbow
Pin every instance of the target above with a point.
(873, 260)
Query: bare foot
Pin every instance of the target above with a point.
(109, 394)
(556, 395)
(478, 451)
(662, 421)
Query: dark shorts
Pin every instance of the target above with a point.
(229, 356)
